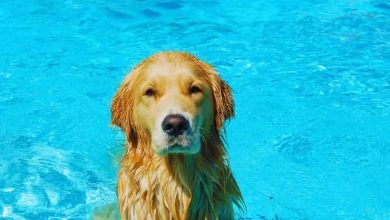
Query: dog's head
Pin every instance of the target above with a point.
(173, 101)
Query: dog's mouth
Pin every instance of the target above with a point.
(183, 144)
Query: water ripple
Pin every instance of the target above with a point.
(310, 79)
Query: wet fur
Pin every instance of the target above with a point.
(177, 186)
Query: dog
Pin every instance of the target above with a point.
(171, 108)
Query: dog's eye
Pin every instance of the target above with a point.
(150, 92)
(195, 89)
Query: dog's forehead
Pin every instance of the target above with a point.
(164, 68)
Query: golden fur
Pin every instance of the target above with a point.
(153, 185)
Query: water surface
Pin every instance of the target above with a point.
(311, 83)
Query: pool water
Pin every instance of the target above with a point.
(311, 80)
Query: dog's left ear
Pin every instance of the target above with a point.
(223, 99)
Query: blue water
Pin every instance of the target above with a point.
(311, 80)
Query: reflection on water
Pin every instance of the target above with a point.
(311, 83)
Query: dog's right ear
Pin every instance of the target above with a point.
(122, 106)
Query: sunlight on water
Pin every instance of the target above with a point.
(311, 82)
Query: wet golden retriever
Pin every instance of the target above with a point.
(172, 108)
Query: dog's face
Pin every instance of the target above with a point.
(173, 104)
(174, 101)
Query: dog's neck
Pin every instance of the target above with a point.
(183, 184)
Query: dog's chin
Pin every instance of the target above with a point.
(178, 149)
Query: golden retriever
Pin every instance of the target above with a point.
(172, 108)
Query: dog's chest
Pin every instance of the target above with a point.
(151, 195)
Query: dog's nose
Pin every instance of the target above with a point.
(175, 125)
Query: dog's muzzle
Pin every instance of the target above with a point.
(176, 134)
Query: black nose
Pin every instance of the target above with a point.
(175, 125)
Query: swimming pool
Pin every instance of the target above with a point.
(311, 137)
